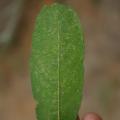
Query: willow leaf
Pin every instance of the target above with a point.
(57, 63)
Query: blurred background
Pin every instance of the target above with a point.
(101, 24)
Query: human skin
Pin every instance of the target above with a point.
(91, 116)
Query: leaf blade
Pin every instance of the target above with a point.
(56, 50)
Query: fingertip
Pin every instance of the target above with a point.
(91, 116)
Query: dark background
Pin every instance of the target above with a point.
(100, 20)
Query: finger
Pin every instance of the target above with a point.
(91, 116)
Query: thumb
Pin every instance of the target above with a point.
(90, 116)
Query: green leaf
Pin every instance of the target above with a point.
(57, 63)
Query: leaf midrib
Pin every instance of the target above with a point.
(58, 37)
